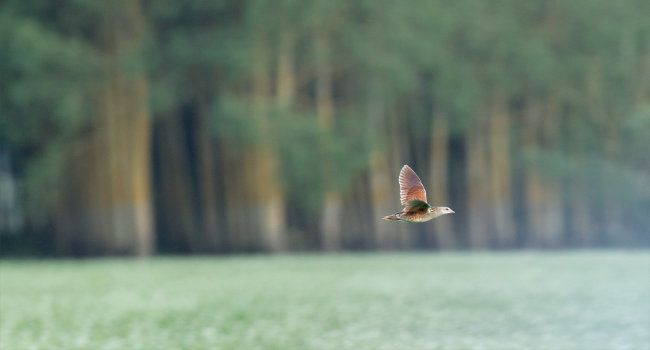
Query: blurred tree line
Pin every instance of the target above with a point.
(134, 126)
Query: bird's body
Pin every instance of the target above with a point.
(414, 199)
(416, 216)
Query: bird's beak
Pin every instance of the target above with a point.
(451, 211)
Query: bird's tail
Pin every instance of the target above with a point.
(391, 217)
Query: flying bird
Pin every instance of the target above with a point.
(414, 199)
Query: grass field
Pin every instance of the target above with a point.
(579, 300)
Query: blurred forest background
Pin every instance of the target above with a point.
(130, 127)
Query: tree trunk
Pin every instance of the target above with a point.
(501, 172)
(266, 193)
(384, 198)
(235, 197)
(178, 229)
(478, 189)
(543, 199)
(285, 89)
(332, 206)
(111, 211)
(582, 221)
(207, 181)
(357, 218)
(438, 181)
(402, 234)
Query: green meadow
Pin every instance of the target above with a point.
(531, 300)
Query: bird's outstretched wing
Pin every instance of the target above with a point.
(410, 186)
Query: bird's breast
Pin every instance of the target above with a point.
(417, 217)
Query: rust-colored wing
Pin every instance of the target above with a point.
(410, 186)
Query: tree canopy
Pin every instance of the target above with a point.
(227, 126)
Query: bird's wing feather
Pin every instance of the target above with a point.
(416, 206)
(410, 186)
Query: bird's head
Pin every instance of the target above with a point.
(441, 210)
(447, 210)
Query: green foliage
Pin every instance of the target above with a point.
(46, 76)
(194, 46)
(302, 158)
(234, 119)
(42, 183)
(636, 128)
(348, 148)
